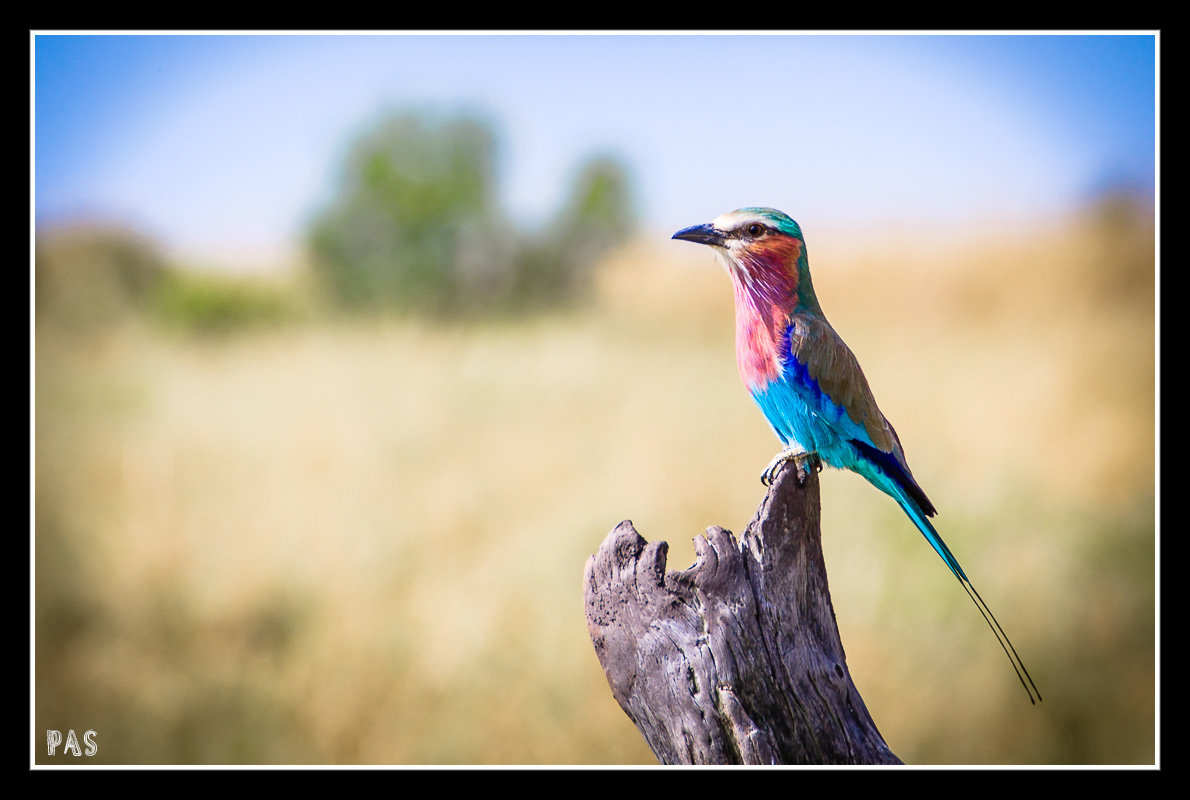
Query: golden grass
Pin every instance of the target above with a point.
(337, 542)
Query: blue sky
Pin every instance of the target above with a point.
(217, 143)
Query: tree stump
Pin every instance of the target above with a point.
(736, 660)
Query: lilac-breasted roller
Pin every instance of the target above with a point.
(806, 380)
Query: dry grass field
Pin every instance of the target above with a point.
(341, 542)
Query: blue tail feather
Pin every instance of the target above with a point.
(893, 470)
(910, 507)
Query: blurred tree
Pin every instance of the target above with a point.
(416, 224)
(597, 215)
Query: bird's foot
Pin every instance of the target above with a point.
(802, 460)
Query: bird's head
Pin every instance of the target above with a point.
(742, 228)
(763, 251)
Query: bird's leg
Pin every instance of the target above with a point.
(802, 460)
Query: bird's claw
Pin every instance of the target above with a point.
(802, 461)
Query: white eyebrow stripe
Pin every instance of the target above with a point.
(733, 219)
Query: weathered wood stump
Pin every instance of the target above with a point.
(736, 660)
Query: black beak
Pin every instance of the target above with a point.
(702, 234)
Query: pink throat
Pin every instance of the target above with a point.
(765, 294)
(756, 339)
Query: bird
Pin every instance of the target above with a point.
(809, 384)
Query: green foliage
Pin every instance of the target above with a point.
(414, 193)
(216, 304)
(416, 224)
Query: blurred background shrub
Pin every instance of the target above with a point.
(214, 303)
(93, 278)
(88, 277)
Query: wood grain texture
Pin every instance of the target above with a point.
(736, 660)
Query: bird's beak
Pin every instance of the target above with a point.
(702, 234)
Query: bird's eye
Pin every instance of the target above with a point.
(755, 230)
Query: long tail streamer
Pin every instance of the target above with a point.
(927, 529)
